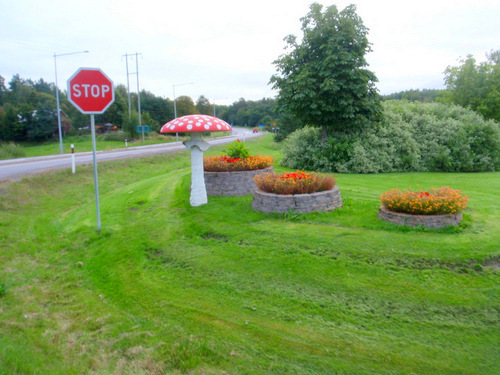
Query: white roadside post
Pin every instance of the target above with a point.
(92, 92)
(73, 159)
(196, 125)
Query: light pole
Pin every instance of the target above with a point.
(175, 105)
(57, 96)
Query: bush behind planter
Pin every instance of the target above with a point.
(413, 137)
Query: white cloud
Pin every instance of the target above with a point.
(227, 47)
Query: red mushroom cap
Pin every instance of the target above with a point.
(195, 123)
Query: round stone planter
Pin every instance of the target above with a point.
(429, 221)
(327, 200)
(237, 183)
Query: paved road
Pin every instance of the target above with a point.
(13, 169)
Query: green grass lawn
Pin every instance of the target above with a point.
(83, 143)
(166, 288)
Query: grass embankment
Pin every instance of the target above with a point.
(168, 288)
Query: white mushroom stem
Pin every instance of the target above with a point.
(198, 191)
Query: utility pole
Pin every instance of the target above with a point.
(57, 98)
(138, 95)
(128, 87)
(138, 90)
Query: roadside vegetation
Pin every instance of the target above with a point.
(412, 136)
(168, 288)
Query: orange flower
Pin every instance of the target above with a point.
(294, 183)
(227, 164)
(434, 202)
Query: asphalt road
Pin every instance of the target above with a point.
(14, 169)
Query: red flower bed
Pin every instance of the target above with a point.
(298, 182)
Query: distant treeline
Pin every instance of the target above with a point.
(28, 111)
(425, 95)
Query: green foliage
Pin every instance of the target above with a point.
(413, 137)
(237, 149)
(185, 106)
(322, 80)
(129, 124)
(160, 109)
(11, 150)
(476, 85)
(425, 95)
(251, 113)
(203, 106)
(303, 149)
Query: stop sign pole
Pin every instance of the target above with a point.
(92, 92)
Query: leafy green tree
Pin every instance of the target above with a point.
(116, 111)
(185, 106)
(11, 129)
(203, 106)
(42, 123)
(3, 90)
(322, 80)
(148, 120)
(476, 86)
(21, 91)
(129, 124)
(160, 109)
(425, 95)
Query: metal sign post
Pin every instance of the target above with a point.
(96, 183)
(92, 92)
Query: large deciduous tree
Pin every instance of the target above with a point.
(476, 86)
(323, 80)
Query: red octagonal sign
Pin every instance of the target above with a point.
(90, 90)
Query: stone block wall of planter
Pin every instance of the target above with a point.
(327, 200)
(429, 221)
(236, 183)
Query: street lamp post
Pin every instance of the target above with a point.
(175, 104)
(57, 97)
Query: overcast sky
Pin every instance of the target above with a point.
(225, 48)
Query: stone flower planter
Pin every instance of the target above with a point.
(429, 221)
(236, 183)
(327, 200)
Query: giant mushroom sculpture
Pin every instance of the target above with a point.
(196, 125)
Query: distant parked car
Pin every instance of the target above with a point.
(256, 130)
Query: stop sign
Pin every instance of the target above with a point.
(90, 90)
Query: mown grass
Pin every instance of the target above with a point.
(83, 143)
(168, 288)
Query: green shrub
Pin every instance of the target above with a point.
(11, 150)
(237, 149)
(115, 136)
(413, 136)
(303, 149)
